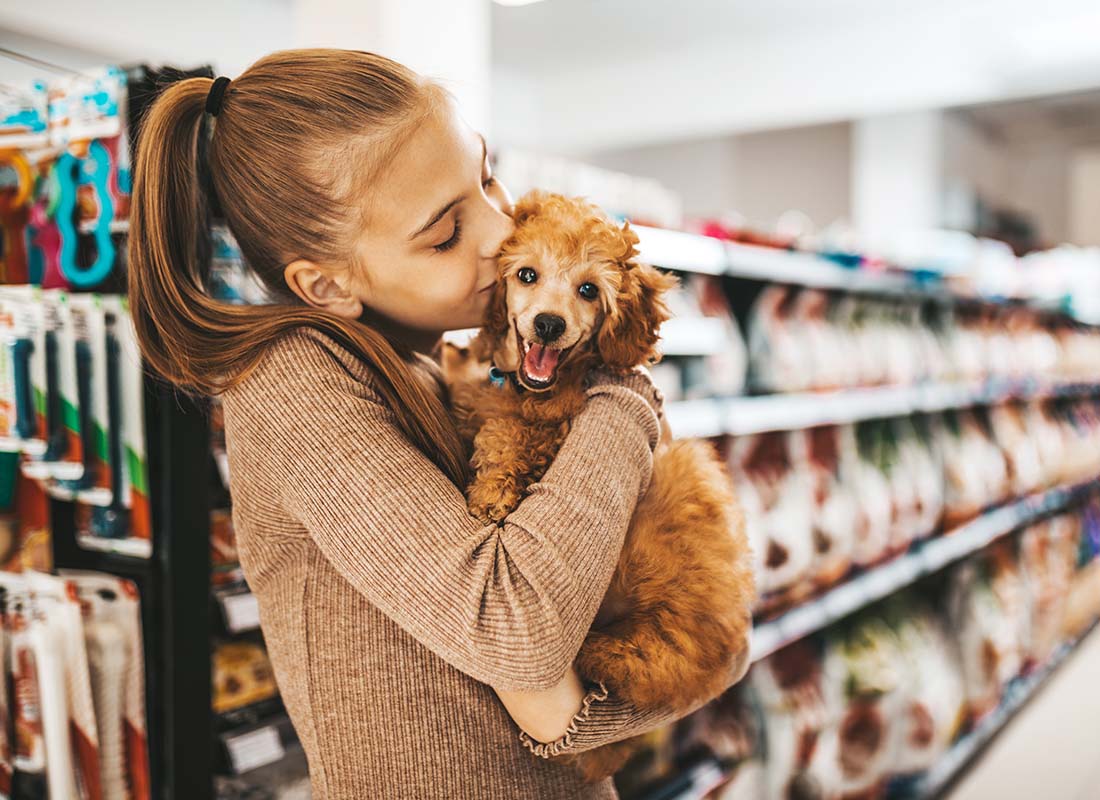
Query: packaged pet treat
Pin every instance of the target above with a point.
(974, 467)
(6, 750)
(934, 703)
(921, 460)
(112, 636)
(45, 369)
(69, 464)
(242, 675)
(95, 489)
(789, 687)
(778, 356)
(726, 368)
(875, 510)
(863, 688)
(132, 393)
(29, 752)
(1020, 449)
(986, 637)
(25, 346)
(777, 500)
(835, 513)
(71, 737)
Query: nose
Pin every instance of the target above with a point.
(549, 327)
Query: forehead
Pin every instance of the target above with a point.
(429, 170)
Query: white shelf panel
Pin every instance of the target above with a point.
(689, 252)
(740, 416)
(693, 336)
(682, 251)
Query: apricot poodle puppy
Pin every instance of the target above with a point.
(673, 628)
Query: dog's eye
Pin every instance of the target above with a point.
(527, 275)
(589, 291)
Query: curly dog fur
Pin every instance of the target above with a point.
(673, 628)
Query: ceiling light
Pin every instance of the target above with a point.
(516, 2)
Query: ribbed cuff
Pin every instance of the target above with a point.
(641, 408)
(564, 742)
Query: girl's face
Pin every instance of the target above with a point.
(437, 220)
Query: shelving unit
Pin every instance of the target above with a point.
(174, 584)
(707, 255)
(934, 782)
(925, 558)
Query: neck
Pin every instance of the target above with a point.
(415, 339)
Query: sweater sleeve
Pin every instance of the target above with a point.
(507, 604)
(604, 718)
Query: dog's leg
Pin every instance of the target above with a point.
(508, 458)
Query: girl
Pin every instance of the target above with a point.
(419, 652)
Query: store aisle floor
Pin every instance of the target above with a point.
(1051, 750)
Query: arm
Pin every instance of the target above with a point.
(507, 604)
(545, 716)
(603, 718)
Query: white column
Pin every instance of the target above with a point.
(897, 174)
(1084, 197)
(448, 40)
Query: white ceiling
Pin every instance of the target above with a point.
(570, 31)
(575, 76)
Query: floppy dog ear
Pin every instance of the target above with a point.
(629, 333)
(495, 326)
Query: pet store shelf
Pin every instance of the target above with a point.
(701, 777)
(1018, 693)
(740, 416)
(924, 559)
(689, 252)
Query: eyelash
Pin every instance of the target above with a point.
(443, 247)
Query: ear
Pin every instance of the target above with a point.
(322, 288)
(629, 334)
(495, 327)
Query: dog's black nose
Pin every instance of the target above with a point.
(549, 327)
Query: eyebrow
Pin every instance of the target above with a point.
(439, 214)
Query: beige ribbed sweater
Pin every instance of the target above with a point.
(389, 611)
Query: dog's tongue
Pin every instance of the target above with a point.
(540, 362)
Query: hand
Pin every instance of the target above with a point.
(545, 715)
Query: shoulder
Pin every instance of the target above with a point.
(303, 363)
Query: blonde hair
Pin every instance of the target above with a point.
(278, 164)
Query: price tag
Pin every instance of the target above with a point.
(242, 612)
(254, 749)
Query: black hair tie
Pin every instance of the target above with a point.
(214, 99)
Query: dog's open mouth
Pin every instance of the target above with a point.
(539, 363)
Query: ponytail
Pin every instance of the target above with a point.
(204, 345)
